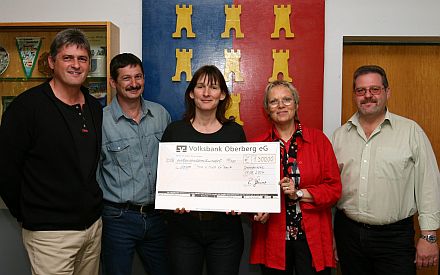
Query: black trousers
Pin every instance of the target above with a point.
(216, 241)
(366, 250)
(298, 258)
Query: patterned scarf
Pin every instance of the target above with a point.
(289, 151)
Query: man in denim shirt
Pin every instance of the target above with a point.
(131, 131)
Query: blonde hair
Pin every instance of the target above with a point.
(282, 83)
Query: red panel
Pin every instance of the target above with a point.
(306, 63)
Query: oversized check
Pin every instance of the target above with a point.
(222, 177)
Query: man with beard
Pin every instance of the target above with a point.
(131, 131)
(389, 172)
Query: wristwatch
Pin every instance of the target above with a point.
(299, 194)
(429, 238)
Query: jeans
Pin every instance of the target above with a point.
(218, 243)
(127, 231)
(368, 250)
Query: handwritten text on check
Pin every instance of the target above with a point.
(219, 176)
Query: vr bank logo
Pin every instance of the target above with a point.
(181, 149)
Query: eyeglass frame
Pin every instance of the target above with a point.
(363, 91)
(287, 101)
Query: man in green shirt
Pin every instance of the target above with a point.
(389, 172)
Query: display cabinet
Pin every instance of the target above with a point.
(23, 56)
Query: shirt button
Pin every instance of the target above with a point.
(119, 148)
(365, 160)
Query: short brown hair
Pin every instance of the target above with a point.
(69, 37)
(367, 69)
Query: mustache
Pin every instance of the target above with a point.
(132, 88)
(368, 100)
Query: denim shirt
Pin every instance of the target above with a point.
(128, 164)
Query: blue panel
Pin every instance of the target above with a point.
(158, 47)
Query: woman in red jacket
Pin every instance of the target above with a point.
(300, 238)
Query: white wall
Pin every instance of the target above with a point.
(126, 14)
(368, 18)
(342, 18)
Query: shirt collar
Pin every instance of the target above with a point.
(48, 90)
(304, 135)
(117, 112)
(354, 120)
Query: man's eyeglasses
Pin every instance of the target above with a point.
(287, 101)
(374, 90)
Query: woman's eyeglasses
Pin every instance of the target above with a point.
(287, 101)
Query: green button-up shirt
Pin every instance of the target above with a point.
(389, 176)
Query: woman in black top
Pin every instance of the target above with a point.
(196, 237)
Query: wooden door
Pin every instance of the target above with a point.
(413, 73)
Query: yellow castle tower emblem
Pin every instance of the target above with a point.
(184, 22)
(234, 108)
(183, 64)
(232, 65)
(232, 21)
(280, 65)
(282, 21)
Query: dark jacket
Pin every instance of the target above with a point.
(40, 177)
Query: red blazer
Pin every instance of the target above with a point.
(320, 176)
